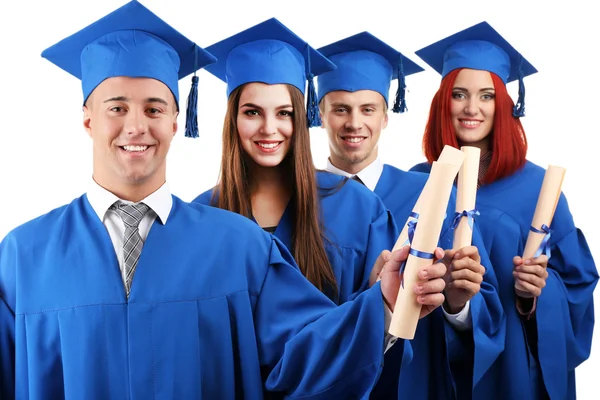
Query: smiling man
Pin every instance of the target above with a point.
(129, 292)
(450, 343)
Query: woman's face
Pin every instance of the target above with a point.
(472, 107)
(265, 122)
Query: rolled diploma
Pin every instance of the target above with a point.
(433, 206)
(449, 155)
(466, 193)
(544, 210)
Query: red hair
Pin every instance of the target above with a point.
(508, 143)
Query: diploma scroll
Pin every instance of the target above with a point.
(427, 233)
(466, 193)
(544, 212)
(450, 156)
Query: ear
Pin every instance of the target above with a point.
(87, 120)
(175, 126)
(322, 120)
(385, 120)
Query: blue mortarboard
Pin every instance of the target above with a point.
(134, 42)
(480, 47)
(270, 53)
(366, 63)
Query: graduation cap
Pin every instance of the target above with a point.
(480, 47)
(366, 63)
(133, 42)
(270, 53)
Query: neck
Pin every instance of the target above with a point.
(269, 179)
(130, 192)
(352, 167)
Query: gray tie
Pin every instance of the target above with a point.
(131, 214)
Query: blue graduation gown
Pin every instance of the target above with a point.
(356, 223)
(541, 353)
(445, 363)
(217, 309)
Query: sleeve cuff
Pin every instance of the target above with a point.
(462, 320)
(390, 339)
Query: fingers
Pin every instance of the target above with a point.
(433, 271)
(431, 300)
(531, 279)
(534, 290)
(395, 261)
(470, 287)
(466, 275)
(444, 256)
(430, 287)
(517, 261)
(471, 252)
(468, 263)
(378, 267)
(533, 269)
(541, 260)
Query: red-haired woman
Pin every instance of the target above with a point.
(550, 318)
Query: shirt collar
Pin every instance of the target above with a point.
(369, 175)
(159, 201)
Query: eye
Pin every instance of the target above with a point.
(458, 95)
(286, 113)
(251, 112)
(488, 96)
(369, 110)
(117, 109)
(340, 110)
(153, 110)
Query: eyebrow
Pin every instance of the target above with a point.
(148, 100)
(338, 104)
(481, 90)
(252, 105)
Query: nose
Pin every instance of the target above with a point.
(354, 122)
(136, 122)
(269, 125)
(472, 107)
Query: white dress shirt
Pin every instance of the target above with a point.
(370, 177)
(160, 203)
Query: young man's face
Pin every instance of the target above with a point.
(131, 122)
(354, 121)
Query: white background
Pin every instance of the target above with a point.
(45, 155)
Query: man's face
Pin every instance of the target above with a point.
(354, 121)
(131, 122)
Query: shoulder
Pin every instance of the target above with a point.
(204, 198)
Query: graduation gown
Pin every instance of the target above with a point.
(541, 351)
(446, 363)
(217, 309)
(357, 225)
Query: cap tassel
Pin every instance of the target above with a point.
(312, 105)
(400, 101)
(191, 114)
(519, 108)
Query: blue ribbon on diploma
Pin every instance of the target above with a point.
(469, 214)
(412, 225)
(545, 245)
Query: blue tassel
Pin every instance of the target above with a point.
(312, 104)
(519, 108)
(400, 101)
(191, 115)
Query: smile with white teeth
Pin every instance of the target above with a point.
(470, 122)
(354, 139)
(268, 145)
(135, 148)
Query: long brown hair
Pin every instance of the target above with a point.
(507, 142)
(233, 189)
